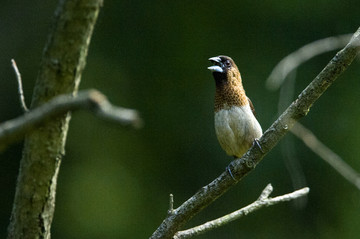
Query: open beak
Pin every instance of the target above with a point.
(217, 67)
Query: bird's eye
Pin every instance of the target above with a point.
(227, 63)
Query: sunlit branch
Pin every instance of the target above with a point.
(20, 88)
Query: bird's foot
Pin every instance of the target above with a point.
(228, 169)
(256, 141)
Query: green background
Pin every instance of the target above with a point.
(152, 56)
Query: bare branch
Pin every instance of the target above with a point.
(298, 109)
(20, 88)
(91, 100)
(292, 61)
(263, 201)
(326, 154)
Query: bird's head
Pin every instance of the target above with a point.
(223, 69)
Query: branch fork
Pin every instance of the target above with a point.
(298, 109)
(263, 201)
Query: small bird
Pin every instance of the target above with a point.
(236, 126)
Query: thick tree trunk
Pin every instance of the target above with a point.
(62, 64)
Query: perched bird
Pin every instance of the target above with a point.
(235, 123)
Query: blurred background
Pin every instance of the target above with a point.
(152, 56)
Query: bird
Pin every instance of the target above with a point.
(236, 126)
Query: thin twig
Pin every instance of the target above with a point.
(20, 88)
(326, 154)
(292, 61)
(92, 100)
(266, 192)
(171, 204)
(263, 201)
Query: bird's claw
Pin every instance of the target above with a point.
(256, 141)
(229, 171)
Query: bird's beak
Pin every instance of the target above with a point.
(217, 67)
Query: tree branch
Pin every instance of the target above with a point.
(241, 167)
(92, 100)
(262, 201)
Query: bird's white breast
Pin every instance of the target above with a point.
(236, 128)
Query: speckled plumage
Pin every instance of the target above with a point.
(236, 126)
(230, 92)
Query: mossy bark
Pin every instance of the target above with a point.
(63, 61)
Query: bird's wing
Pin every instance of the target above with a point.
(251, 106)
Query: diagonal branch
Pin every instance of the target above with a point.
(261, 202)
(286, 68)
(241, 167)
(92, 100)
